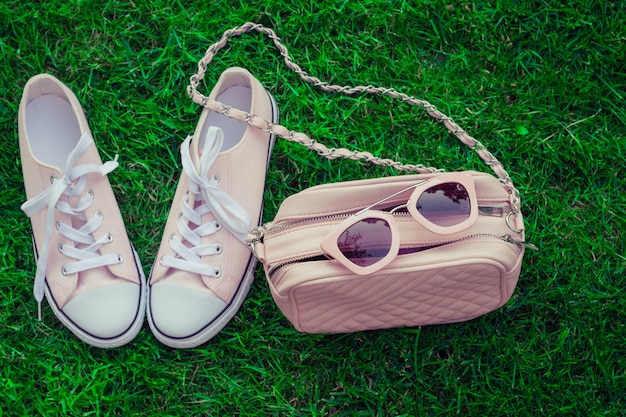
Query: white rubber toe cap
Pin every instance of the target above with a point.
(105, 312)
(181, 312)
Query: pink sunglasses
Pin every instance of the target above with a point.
(369, 240)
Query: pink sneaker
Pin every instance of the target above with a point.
(86, 265)
(203, 270)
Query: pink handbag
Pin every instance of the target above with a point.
(409, 250)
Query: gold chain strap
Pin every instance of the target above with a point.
(321, 149)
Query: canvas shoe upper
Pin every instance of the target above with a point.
(86, 266)
(203, 269)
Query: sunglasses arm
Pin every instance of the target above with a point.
(389, 197)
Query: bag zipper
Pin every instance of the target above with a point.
(320, 256)
(494, 210)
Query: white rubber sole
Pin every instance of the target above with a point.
(117, 341)
(216, 325)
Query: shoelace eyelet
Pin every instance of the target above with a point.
(218, 249)
(215, 178)
(218, 273)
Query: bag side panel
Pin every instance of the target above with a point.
(447, 294)
(442, 285)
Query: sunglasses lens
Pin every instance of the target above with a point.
(446, 204)
(366, 242)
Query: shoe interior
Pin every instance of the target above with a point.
(51, 124)
(238, 97)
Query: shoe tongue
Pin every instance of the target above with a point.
(195, 151)
(202, 144)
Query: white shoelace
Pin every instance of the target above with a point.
(208, 198)
(86, 248)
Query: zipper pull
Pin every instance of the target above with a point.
(511, 239)
(257, 234)
(255, 237)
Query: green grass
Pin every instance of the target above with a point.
(540, 83)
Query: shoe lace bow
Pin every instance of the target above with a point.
(208, 198)
(85, 250)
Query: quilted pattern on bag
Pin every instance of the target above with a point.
(444, 295)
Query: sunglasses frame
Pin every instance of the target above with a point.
(331, 249)
(461, 178)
